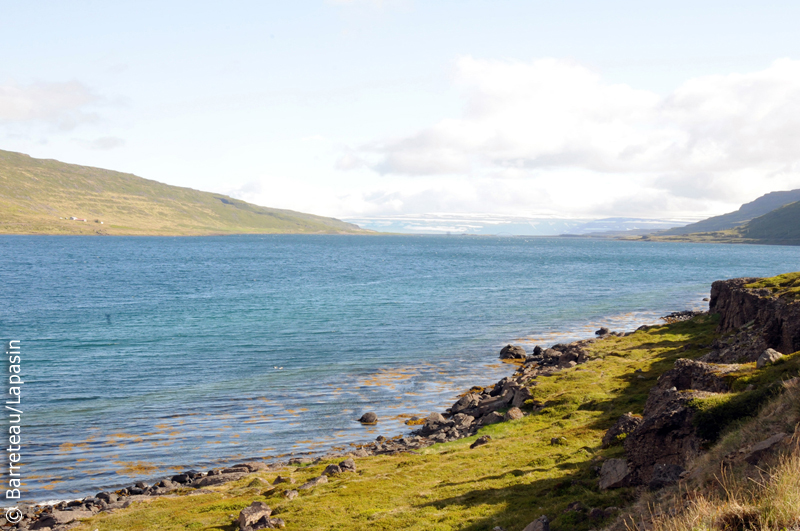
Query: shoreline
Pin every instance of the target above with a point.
(454, 423)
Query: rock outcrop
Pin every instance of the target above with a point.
(768, 321)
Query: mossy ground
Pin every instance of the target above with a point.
(512, 480)
(786, 285)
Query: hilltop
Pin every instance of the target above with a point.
(39, 196)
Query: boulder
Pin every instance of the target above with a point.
(480, 441)
(281, 479)
(624, 425)
(290, 494)
(521, 395)
(313, 483)
(369, 418)
(252, 466)
(540, 524)
(769, 357)
(462, 420)
(664, 474)
(348, 465)
(467, 402)
(757, 452)
(492, 418)
(614, 474)
(512, 352)
(332, 470)
(251, 515)
(208, 481)
(58, 518)
(513, 414)
(602, 332)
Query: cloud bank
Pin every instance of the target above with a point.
(559, 126)
(59, 104)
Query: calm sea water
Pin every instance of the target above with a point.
(143, 355)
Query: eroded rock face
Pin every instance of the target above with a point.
(774, 320)
(666, 434)
(697, 376)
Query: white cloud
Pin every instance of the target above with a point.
(104, 143)
(61, 104)
(559, 125)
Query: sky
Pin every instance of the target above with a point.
(402, 109)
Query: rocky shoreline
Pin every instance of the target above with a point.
(478, 407)
(659, 444)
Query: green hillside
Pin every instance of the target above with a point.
(748, 211)
(38, 196)
(781, 226)
(778, 227)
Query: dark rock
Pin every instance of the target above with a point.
(614, 474)
(597, 513)
(769, 357)
(348, 465)
(181, 478)
(253, 466)
(368, 418)
(491, 418)
(757, 452)
(558, 441)
(540, 524)
(521, 395)
(313, 483)
(624, 425)
(480, 441)
(666, 434)
(537, 351)
(281, 479)
(602, 332)
(466, 402)
(512, 352)
(219, 479)
(332, 470)
(664, 474)
(250, 516)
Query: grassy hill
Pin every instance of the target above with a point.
(38, 196)
(763, 205)
(778, 227)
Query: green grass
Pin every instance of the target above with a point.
(35, 195)
(752, 388)
(786, 285)
(509, 482)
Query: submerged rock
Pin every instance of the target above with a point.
(368, 418)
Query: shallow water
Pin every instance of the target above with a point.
(147, 354)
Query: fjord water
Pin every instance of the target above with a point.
(145, 355)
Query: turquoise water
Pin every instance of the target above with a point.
(143, 354)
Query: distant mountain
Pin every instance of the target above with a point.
(781, 226)
(763, 205)
(39, 196)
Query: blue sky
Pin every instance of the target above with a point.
(380, 109)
